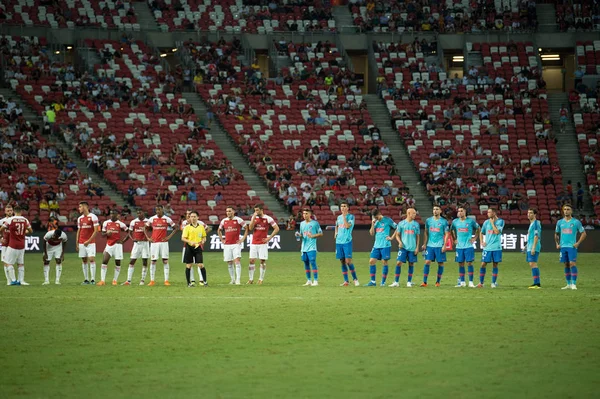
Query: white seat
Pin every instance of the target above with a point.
(251, 193)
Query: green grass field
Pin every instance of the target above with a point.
(282, 340)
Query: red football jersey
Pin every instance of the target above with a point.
(52, 241)
(86, 225)
(159, 227)
(114, 228)
(232, 229)
(261, 228)
(17, 228)
(138, 226)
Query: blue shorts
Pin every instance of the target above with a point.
(381, 253)
(532, 258)
(435, 254)
(491, 256)
(343, 251)
(404, 255)
(310, 256)
(568, 255)
(465, 255)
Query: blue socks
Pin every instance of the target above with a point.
(535, 272)
(345, 272)
(568, 275)
(439, 273)
(411, 269)
(315, 271)
(494, 275)
(481, 275)
(471, 270)
(425, 273)
(352, 271)
(397, 274)
(373, 272)
(384, 274)
(574, 275)
(307, 270)
(461, 273)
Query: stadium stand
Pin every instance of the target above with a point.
(577, 15)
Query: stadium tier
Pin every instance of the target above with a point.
(577, 15)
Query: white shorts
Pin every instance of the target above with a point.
(115, 251)
(87, 252)
(159, 250)
(232, 252)
(54, 252)
(259, 251)
(141, 249)
(13, 256)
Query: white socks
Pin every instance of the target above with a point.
(231, 271)
(84, 267)
(144, 272)
(251, 268)
(103, 270)
(117, 271)
(93, 270)
(200, 278)
(21, 273)
(192, 278)
(130, 272)
(263, 269)
(152, 271)
(46, 273)
(166, 272)
(6, 274)
(11, 273)
(238, 272)
(58, 273)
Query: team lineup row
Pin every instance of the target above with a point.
(438, 236)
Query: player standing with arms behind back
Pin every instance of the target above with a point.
(8, 212)
(17, 227)
(259, 248)
(463, 229)
(55, 242)
(492, 246)
(343, 243)
(408, 235)
(141, 247)
(534, 245)
(114, 245)
(434, 244)
(565, 237)
(382, 248)
(87, 227)
(232, 244)
(310, 230)
(159, 242)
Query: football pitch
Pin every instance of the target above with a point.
(282, 340)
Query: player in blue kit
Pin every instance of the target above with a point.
(381, 226)
(490, 235)
(534, 245)
(343, 243)
(434, 239)
(310, 231)
(408, 234)
(565, 237)
(464, 232)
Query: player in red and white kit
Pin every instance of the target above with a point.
(114, 245)
(8, 211)
(141, 247)
(14, 254)
(159, 242)
(54, 248)
(259, 225)
(232, 243)
(87, 228)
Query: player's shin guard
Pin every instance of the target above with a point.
(144, 272)
(307, 269)
(263, 270)
(352, 271)
(46, 272)
(251, 268)
(200, 274)
(166, 269)
(411, 270)
(58, 272)
(440, 273)
(461, 273)
(130, 272)
(231, 271)
(11, 272)
(425, 273)
(6, 274)
(103, 270)
(21, 269)
(345, 272)
(203, 272)
(471, 271)
(373, 272)
(384, 272)
(535, 273)
(117, 272)
(192, 277)
(238, 272)
(482, 271)
(568, 275)
(574, 275)
(84, 267)
(315, 270)
(187, 274)
(93, 270)
(152, 271)
(494, 275)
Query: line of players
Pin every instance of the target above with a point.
(439, 236)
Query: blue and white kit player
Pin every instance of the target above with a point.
(310, 230)
(464, 231)
(490, 237)
(565, 237)
(343, 243)
(435, 234)
(534, 246)
(408, 234)
(381, 226)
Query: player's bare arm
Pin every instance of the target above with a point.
(252, 222)
(417, 247)
(77, 239)
(372, 229)
(241, 240)
(149, 238)
(557, 240)
(273, 234)
(447, 236)
(582, 237)
(425, 238)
